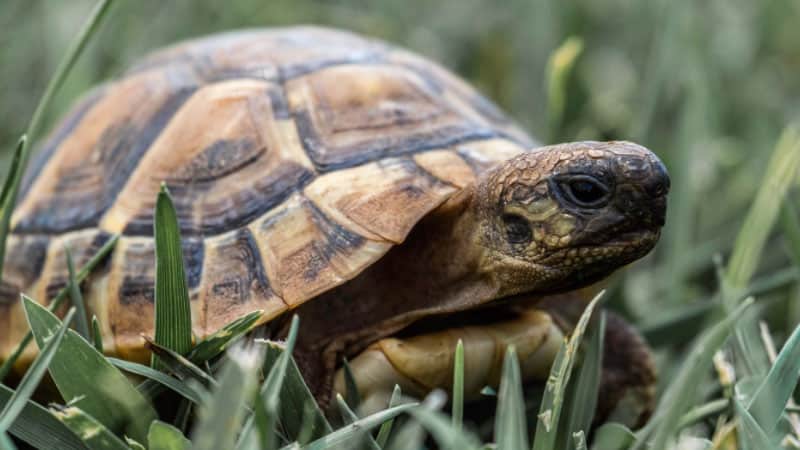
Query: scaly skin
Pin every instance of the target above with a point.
(521, 230)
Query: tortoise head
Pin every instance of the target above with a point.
(568, 215)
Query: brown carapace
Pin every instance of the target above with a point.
(318, 172)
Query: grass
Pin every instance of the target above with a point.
(733, 156)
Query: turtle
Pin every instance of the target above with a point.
(356, 184)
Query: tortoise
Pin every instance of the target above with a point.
(354, 183)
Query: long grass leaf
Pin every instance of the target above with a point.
(81, 323)
(613, 436)
(510, 426)
(680, 394)
(174, 384)
(97, 335)
(559, 67)
(163, 436)
(780, 174)
(386, 428)
(173, 315)
(38, 427)
(33, 376)
(769, 400)
(458, 386)
(84, 272)
(347, 433)
(216, 343)
(8, 196)
(270, 393)
(81, 373)
(580, 400)
(751, 434)
(348, 417)
(6, 443)
(221, 418)
(93, 432)
(553, 401)
(179, 365)
(444, 433)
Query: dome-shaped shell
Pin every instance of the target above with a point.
(295, 157)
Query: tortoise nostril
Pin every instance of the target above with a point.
(659, 183)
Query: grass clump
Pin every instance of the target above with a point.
(221, 392)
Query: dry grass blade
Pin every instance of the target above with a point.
(458, 386)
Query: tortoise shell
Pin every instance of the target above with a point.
(296, 158)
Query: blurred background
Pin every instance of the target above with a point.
(707, 85)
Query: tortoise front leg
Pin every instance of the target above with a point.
(421, 363)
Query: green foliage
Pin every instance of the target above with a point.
(173, 328)
(710, 104)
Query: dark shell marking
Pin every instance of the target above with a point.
(295, 157)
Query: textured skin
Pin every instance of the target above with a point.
(318, 172)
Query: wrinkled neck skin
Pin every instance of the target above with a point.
(439, 269)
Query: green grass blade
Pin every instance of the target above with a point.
(411, 436)
(349, 432)
(580, 400)
(444, 433)
(80, 372)
(38, 427)
(780, 174)
(790, 223)
(510, 426)
(97, 335)
(173, 315)
(298, 410)
(33, 376)
(9, 193)
(386, 428)
(703, 411)
(270, 393)
(559, 67)
(94, 433)
(8, 197)
(218, 342)
(458, 386)
(348, 417)
(613, 436)
(550, 412)
(57, 301)
(751, 435)
(220, 420)
(6, 443)
(179, 365)
(167, 381)
(350, 386)
(769, 401)
(163, 436)
(680, 394)
(81, 324)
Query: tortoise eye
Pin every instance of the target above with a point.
(517, 229)
(585, 191)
